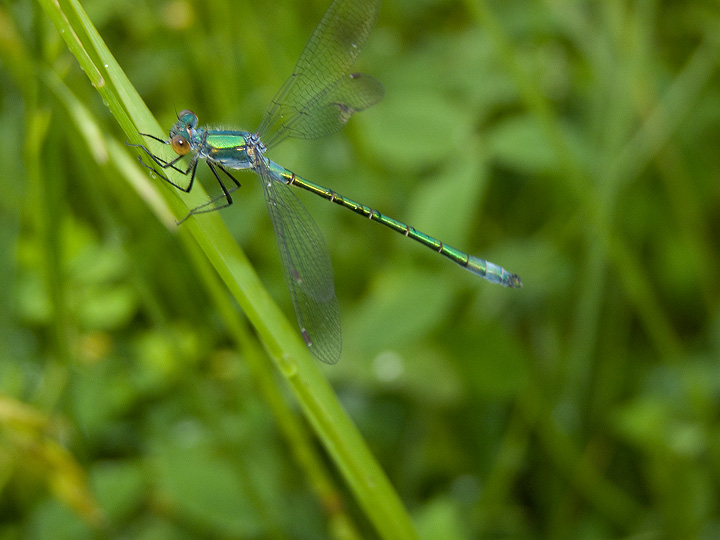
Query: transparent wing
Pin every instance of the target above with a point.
(328, 111)
(321, 73)
(307, 268)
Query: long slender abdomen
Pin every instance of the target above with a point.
(480, 267)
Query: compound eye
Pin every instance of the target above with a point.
(180, 144)
(188, 118)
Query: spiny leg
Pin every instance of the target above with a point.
(166, 164)
(210, 205)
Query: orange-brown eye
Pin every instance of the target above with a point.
(180, 145)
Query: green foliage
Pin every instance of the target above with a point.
(574, 143)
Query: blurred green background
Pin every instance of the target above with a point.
(574, 143)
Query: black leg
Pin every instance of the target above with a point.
(190, 171)
(166, 164)
(211, 205)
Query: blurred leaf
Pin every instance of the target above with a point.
(415, 131)
(495, 367)
(441, 519)
(390, 314)
(207, 488)
(521, 144)
(120, 487)
(105, 308)
(50, 521)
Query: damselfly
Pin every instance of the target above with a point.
(317, 99)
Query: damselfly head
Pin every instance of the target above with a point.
(182, 132)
